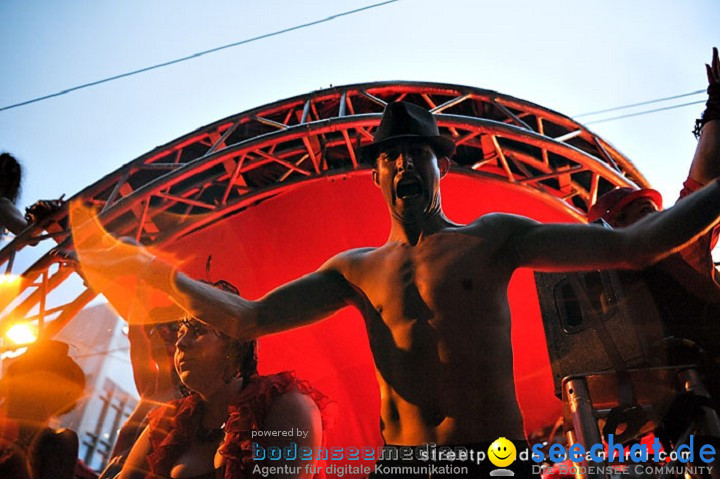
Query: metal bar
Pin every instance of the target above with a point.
(52, 235)
(569, 136)
(428, 100)
(594, 185)
(286, 164)
(11, 261)
(584, 424)
(605, 153)
(450, 103)
(364, 133)
(306, 111)
(269, 122)
(160, 166)
(313, 108)
(350, 106)
(341, 109)
(555, 174)
(289, 172)
(48, 312)
(186, 201)
(543, 151)
(233, 179)
(372, 98)
(351, 149)
(43, 300)
(511, 115)
(70, 310)
(224, 137)
(503, 160)
(519, 165)
(468, 136)
(28, 281)
(313, 158)
(288, 116)
(116, 190)
(143, 217)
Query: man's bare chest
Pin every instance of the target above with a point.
(445, 273)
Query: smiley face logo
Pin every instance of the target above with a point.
(502, 452)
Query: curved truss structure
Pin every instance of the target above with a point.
(236, 162)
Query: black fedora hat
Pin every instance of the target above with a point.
(403, 120)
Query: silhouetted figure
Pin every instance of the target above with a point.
(11, 218)
(42, 383)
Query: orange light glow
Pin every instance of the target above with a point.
(9, 288)
(22, 333)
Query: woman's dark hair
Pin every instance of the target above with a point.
(246, 350)
(10, 177)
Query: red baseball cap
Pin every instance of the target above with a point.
(611, 203)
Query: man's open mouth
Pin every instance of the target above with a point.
(408, 187)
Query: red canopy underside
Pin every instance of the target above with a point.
(294, 233)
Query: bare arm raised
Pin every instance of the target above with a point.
(562, 247)
(115, 267)
(706, 162)
(303, 301)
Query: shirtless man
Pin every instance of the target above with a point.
(434, 296)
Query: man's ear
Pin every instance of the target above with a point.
(443, 165)
(375, 178)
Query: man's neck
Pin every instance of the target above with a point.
(413, 231)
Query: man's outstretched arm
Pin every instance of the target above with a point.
(300, 302)
(131, 276)
(563, 247)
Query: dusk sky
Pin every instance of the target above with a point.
(570, 56)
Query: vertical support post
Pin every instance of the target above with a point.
(709, 425)
(585, 429)
(43, 300)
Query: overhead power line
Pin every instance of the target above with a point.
(198, 54)
(646, 112)
(648, 102)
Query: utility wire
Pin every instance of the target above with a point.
(198, 54)
(657, 100)
(642, 113)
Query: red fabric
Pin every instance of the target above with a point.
(172, 427)
(82, 471)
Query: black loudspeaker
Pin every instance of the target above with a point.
(593, 324)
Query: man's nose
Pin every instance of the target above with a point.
(404, 162)
(182, 341)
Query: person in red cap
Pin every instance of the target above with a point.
(624, 206)
(434, 296)
(685, 287)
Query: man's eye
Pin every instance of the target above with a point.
(419, 152)
(390, 155)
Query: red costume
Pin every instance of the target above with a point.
(174, 426)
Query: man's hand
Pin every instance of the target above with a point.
(713, 69)
(706, 162)
(124, 271)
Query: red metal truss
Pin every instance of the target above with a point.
(222, 168)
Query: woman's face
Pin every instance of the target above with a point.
(202, 357)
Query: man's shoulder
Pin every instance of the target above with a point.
(497, 223)
(345, 260)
